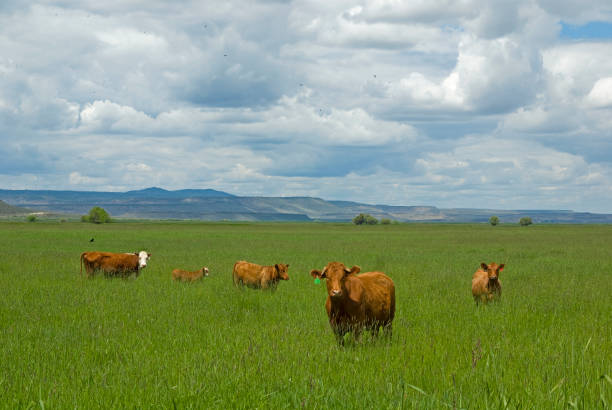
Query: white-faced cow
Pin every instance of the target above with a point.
(114, 263)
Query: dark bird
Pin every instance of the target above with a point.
(224, 55)
(91, 240)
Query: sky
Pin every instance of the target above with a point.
(503, 104)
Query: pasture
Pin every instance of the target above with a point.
(150, 342)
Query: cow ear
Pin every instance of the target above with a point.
(484, 266)
(148, 255)
(353, 270)
(316, 274)
(276, 268)
(501, 267)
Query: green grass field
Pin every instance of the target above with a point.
(69, 342)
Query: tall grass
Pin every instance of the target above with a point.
(66, 341)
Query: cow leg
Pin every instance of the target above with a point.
(357, 333)
(236, 279)
(388, 330)
(340, 338)
(339, 331)
(373, 329)
(498, 293)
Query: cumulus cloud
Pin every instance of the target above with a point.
(111, 117)
(491, 76)
(600, 95)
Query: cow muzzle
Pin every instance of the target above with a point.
(335, 293)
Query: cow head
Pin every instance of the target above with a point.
(205, 271)
(143, 257)
(492, 270)
(335, 274)
(281, 271)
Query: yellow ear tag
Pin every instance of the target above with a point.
(317, 281)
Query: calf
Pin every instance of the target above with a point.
(187, 276)
(355, 302)
(486, 285)
(114, 263)
(259, 277)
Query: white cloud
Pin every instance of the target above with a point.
(574, 68)
(559, 119)
(126, 40)
(430, 102)
(75, 178)
(600, 95)
(490, 76)
(108, 116)
(578, 12)
(432, 11)
(138, 167)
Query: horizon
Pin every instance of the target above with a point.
(310, 197)
(478, 104)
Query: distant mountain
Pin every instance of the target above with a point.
(155, 192)
(209, 204)
(6, 209)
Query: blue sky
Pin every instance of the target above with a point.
(592, 29)
(470, 103)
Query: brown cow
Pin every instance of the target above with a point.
(114, 263)
(486, 285)
(257, 276)
(187, 276)
(356, 301)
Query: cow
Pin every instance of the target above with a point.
(259, 277)
(486, 285)
(187, 276)
(114, 263)
(355, 302)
